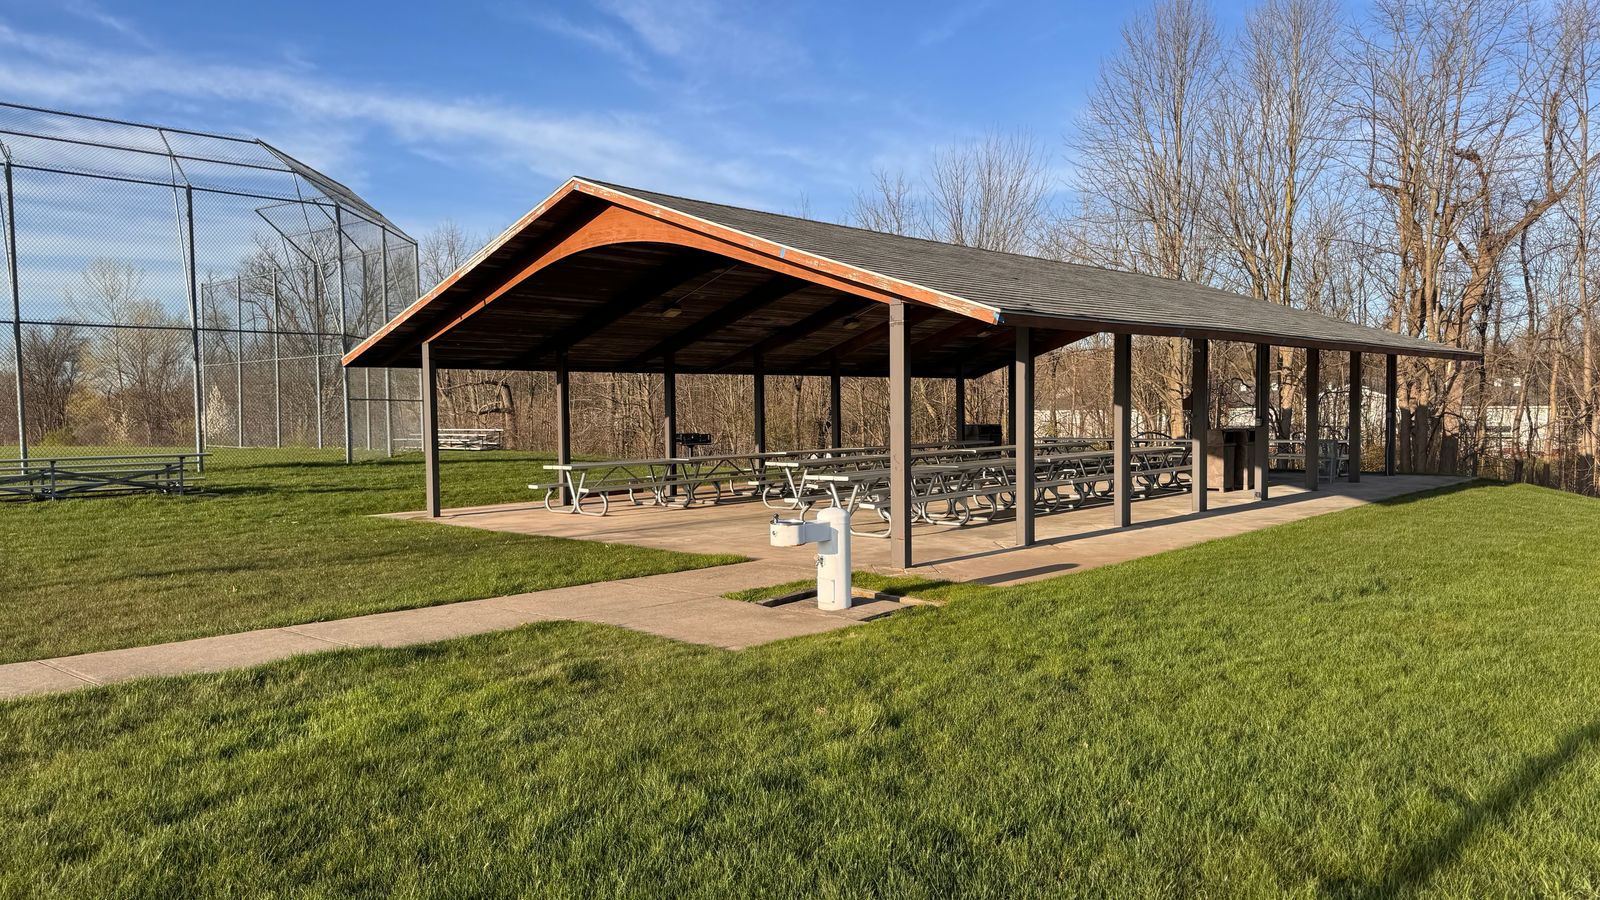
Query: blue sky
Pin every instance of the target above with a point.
(475, 111)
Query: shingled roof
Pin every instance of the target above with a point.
(994, 288)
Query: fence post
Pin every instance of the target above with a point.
(344, 373)
(422, 382)
(388, 374)
(16, 313)
(194, 333)
(277, 378)
(366, 373)
(321, 290)
(238, 358)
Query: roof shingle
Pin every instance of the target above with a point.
(1029, 287)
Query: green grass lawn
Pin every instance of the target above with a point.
(1393, 700)
(278, 543)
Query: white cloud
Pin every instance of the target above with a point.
(597, 36)
(621, 146)
(952, 22)
(94, 13)
(708, 37)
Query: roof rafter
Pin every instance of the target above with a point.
(759, 297)
(652, 286)
(829, 314)
(877, 334)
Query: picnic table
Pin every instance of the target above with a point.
(949, 484)
(57, 477)
(957, 492)
(663, 481)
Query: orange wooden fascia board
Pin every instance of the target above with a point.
(773, 251)
(472, 262)
(651, 223)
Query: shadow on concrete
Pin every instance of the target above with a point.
(1035, 572)
(1249, 506)
(1215, 513)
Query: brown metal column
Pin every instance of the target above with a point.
(430, 429)
(563, 420)
(758, 386)
(899, 438)
(1199, 420)
(1313, 417)
(669, 407)
(1022, 427)
(1355, 418)
(1263, 445)
(1010, 418)
(1122, 428)
(961, 407)
(669, 417)
(835, 407)
(1391, 387)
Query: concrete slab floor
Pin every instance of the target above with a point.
(688, 606)
(980, 552)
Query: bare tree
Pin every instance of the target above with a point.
(890, 205)
(989, 194)
(140, 372)
(1142, 164)
(1461, 111)
(52, 372)
(1568, 105)
(443, 250)
(1271, 139)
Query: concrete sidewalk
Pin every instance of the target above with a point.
(684, 606)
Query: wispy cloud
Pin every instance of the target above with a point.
(595, 35)
(945, 27)
(708, 36)
(670, 45)
(95, 14)
(468, 131)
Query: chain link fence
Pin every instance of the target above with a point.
(171, 290)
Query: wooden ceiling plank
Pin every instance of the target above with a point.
(804, 328)
(872, 337)
(650, 287)
(761, 296)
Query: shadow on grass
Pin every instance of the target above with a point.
(1442, 490)
(1424, 861)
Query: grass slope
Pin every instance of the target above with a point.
(278, 544)
(1395, 700)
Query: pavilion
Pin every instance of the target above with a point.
(605, 278)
